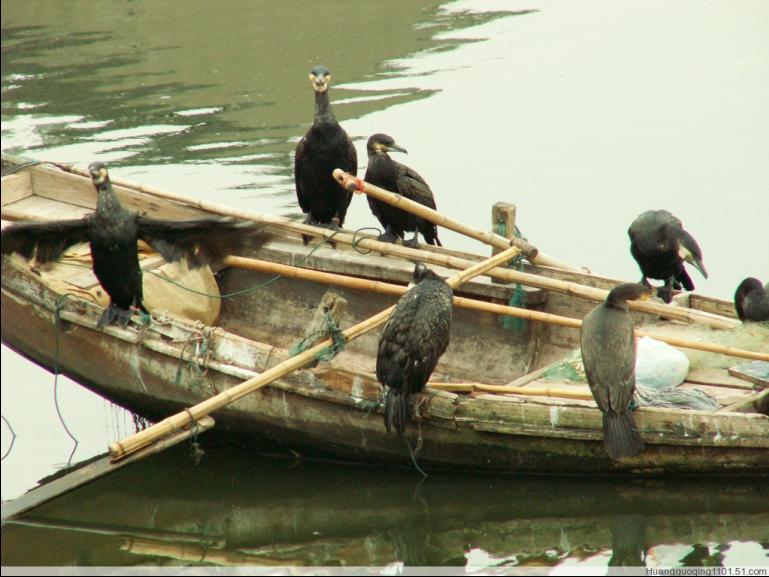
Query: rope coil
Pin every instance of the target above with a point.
(329, 328)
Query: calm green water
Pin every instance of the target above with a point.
(237, 509)
(584, 114)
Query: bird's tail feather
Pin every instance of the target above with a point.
(397, 410)
(620, 436)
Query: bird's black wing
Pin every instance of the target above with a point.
(199, 241)
(46, 241)
(349, 164)
(413, 186)
(298, 160)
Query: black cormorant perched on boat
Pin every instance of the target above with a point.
(326, 146)
(751, 300)
(660, 246)
(608, 355)
(414, 338)
(113, 231)
(386, 173)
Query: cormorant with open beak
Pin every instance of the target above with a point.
(660, 246)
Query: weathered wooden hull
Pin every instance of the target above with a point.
(335, 410)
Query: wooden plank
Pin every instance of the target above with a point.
(716, 378)
(756, 372)
(54, 184)
(711, 305)
(16, 187)
(43, 209)
(663, 426)
(98, 468)
(343, 260)
(753, 402)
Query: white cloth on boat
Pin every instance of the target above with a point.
(659, 370)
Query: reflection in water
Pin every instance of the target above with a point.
(220, 86)
(237, 508)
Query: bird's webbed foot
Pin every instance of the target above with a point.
(114, 315)
(333, 225)
(388, 236)
(412, 243)
(666, 292)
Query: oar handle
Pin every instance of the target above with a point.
(354, 184)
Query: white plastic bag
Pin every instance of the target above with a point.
(658, 365)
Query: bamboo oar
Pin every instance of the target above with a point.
(354, 184)
(355, 283)
(506, 389)
(169, 425)
(93, 470)
(440, 257)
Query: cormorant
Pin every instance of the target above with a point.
(751, 300)
(608, 354)
(113, 231)
(326, 146)
(660, 245)
(385, 173)
(414, 338)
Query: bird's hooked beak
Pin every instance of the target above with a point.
(320, 83)
(393, 146)
(381, 147)
(645, 296)
(687, 256)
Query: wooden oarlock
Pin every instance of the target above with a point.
(180, 420)
(355, 283)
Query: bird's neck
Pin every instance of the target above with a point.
(380, 156)
(106, 202)
(323, 108)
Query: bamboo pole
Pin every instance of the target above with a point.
(507, 389)
(440, 257)
(354, 184)
(355, 283)
(175, 422)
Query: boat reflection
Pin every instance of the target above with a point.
(235, 508)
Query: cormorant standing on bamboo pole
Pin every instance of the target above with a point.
(660, 246)
(608, 355)
(112, 232)
(386, 173)
(414, 338)
(326, 146)
(751, 300)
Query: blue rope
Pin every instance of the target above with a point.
(518, 298)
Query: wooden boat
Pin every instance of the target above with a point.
(334, 409)
(169, 508)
